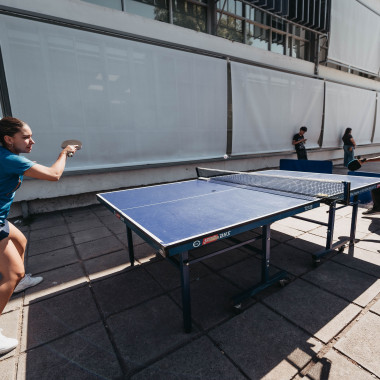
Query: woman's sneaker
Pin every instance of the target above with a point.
(371, 211)
(7, 344)
(27, 282)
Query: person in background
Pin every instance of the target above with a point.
(348, 147)
(16, 138)
(299, 143)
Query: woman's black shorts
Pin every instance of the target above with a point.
(4, 230)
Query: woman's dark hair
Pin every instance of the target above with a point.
(9, 126)
(347, 131)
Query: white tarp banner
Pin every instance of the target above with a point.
(376, 137)
(270, 106)
(130, 103)
(355, 36)
(348, 107)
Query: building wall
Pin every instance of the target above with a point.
(77, 187)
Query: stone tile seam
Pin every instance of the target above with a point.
(330, 345)
(101, 315)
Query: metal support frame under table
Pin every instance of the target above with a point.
(183, 264)
(330, 246)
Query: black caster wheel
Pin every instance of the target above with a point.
(283, 282)
(316, 262)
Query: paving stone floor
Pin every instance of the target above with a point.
(96, 317)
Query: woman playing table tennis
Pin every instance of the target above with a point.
(16, 138)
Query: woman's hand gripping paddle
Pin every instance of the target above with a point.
(76, 143)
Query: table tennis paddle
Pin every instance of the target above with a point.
(71, 142)
(357, 163)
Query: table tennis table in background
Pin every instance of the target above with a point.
(179, 217)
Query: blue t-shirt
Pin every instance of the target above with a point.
(12, 169)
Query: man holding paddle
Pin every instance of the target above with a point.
(375, 194)
(16, 138)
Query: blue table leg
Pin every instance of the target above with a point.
(266, 279)
(130, 247)
(185, 282)
(354, 218)
(266, 254)
(330, 226)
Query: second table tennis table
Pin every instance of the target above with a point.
(179, 217)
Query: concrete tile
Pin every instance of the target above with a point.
(281, 236)
(320, 313)
(360, 259)
(376, 307)
(84, 354)
(8, 369)
(56, 281)
(49, 244)
(122, 236)
(9, 323)
(144, 253)
(374, 222)
(291, 259)
(197, 360)
(14, 303)
(367, 225)
(247, 273)
(264, 345)
(341, 231)
(297, 224)
(52, 231)
(46, 221)
(78, 214)
(114, 224)
(125, 290)
(277, 228)
(99, 247)
(210, 300)
(361, 343)
(169, 277)
(51, 260)
(90, 234)
(258, 245)
(148, 331)
(103, 266)
(223, 260)
(86, 223)
(99, 210)
(371, 243)
(354, 286)
(334, 366)
(57, 316)
(309, 243)
(346, 212)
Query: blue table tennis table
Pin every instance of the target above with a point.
(179, 217)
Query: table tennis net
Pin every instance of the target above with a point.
(299, 187)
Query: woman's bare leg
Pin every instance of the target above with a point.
(11, 269)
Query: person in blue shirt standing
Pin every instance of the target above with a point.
(16, 138)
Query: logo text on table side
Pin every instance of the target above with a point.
(211, 239)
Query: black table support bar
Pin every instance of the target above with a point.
(310, 220)
(223, 250)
